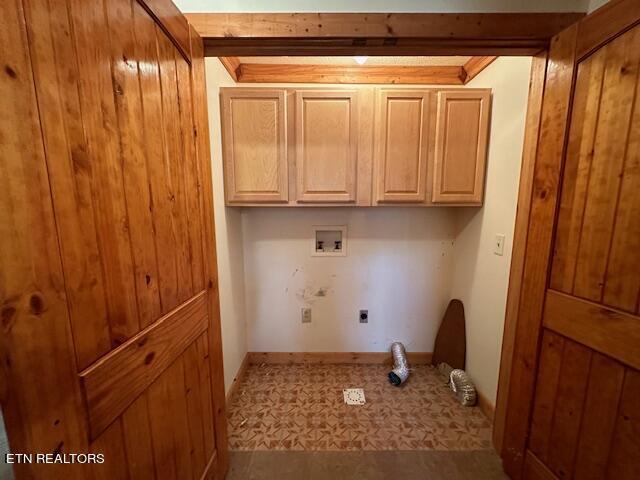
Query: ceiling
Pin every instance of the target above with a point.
(404, 61)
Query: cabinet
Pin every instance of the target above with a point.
(461, 146)
(254, 131)
(354, 146)
(326, 128)
(401, 145)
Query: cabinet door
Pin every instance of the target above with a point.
(461, 146)
(401, 146)
(326, 146)
(254, 130)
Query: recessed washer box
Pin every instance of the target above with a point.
(329, 241)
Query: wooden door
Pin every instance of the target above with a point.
(402, 146)
(326, 145)
(573, 400)
(254, 129)
(461, 146)
(108, 295)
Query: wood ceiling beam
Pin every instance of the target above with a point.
(247, 47)
(474, 66)
(348, 74)
(248, 34)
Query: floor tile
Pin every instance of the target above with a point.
(301, 408)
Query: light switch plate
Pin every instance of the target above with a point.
(353, 396)
(306, 315)
(498, 247)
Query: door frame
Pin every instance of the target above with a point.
(242, 34)
(567, 37)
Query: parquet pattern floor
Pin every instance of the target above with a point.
(301, 408)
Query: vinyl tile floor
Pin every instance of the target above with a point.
(351, 465)
(301, 408)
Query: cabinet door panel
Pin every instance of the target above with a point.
(326, 146)
(461, 146)
(255, 145)
(401, 146)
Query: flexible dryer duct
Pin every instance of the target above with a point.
(400, 371)
(463, 387)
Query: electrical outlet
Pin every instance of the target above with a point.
(498, 247)
(364, 316)
(306, 315)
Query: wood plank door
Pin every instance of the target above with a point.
(573, 400)
(254, 139)
(462, 128)
(402, 146)
(108, 295)
(326, 145)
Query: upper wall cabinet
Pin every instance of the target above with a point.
(461, 146)
(401, 145)
(354, 146)
(326, 145)
(254, 129)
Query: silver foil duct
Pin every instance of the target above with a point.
(463, 387)
(400, 371)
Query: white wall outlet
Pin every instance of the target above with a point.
(306, 315)
(498, 246)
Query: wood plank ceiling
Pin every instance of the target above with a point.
(355, 74)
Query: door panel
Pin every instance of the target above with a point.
(33, 300)
(461, 146)
(585, 313)
(107, 238)
(255, 145)
(597, 245)
(326, 145)
(402, 145)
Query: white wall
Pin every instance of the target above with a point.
(480, 277)
(398, 266)
(382, 6)
(228, 226)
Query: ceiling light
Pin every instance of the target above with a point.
(360, 60)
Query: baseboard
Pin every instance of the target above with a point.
(486, 406)
(415, 358)
(238, 378)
